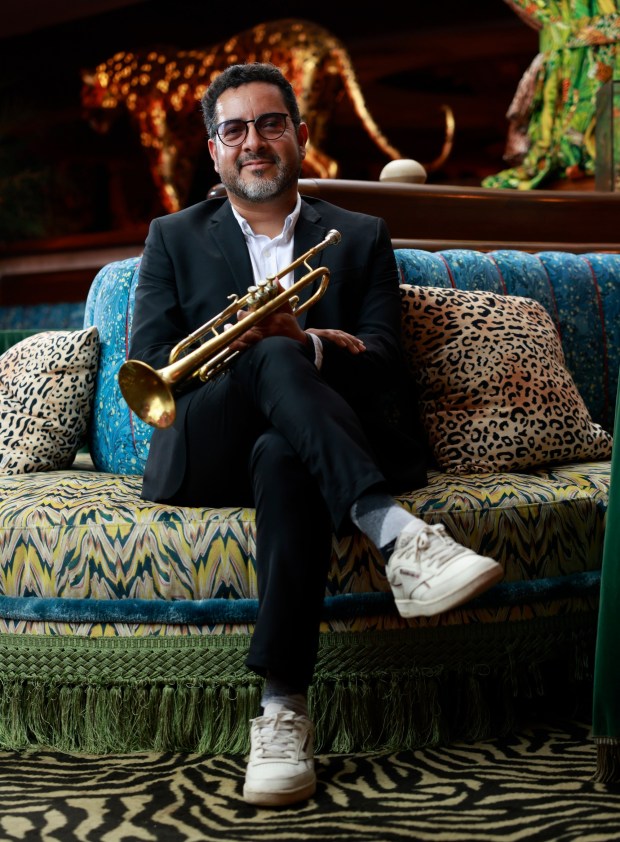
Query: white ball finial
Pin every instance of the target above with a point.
(403, 169)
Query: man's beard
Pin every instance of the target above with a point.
(260, 188)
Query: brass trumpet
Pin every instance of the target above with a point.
(149, 392)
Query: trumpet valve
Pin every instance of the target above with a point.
(252, 297)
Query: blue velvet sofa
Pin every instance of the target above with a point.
(124, 624)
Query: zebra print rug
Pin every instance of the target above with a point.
(536, 786)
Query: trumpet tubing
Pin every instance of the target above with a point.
(149, 392)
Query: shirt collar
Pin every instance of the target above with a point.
(287, 230)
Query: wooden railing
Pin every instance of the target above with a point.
(436, 217)
(422, 216)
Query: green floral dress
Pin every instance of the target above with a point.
(553, 115)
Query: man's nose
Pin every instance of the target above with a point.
(252, 137)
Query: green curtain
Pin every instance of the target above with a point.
(11, 336)
(554, 109)
(606, 698)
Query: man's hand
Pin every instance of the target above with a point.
(339, 337)
(282, 322)
(276, 324)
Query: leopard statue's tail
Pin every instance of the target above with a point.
(349, 79)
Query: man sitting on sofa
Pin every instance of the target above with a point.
(294, 426)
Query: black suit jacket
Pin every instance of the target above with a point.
(196, 258)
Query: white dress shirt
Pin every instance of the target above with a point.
(269, 255)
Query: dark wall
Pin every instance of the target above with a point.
(60, 177)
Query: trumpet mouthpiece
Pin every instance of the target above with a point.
(333, 237)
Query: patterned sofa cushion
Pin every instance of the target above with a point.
(47, 384)
(495, 393)
(579, 291)
(84, 535)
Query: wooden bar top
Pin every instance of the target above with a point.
(426, 216)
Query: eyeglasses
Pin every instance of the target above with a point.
(268, 126)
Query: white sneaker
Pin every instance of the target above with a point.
(430, 573)
(281, 765)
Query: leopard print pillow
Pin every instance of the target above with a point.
(494, 389)
(47, 384)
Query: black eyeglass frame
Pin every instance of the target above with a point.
(256, 121)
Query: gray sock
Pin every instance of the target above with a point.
(278, 695)
(382, 519)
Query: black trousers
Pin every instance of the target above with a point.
(275, 433)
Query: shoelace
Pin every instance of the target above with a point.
(278, 737)
(443, 551)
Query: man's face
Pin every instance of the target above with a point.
(257, 169)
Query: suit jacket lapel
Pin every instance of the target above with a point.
(228, 237)
(308, 233)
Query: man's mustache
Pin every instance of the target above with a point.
(252, 156)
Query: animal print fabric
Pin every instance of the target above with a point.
(579, 291)
(47, 384)
(495, 392)
(533, 783)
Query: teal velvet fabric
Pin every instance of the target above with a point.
(237, 611)
(118, 439)
(63, 315)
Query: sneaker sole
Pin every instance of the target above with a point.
(416, 608)
(280, 798)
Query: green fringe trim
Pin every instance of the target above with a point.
(373, 691)
(607, 760)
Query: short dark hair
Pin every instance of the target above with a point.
(243, 74)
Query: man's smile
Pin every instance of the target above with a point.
(256, 163)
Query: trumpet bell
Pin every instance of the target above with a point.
(147, 393)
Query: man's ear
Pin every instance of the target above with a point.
(213, 153)
(302, 138)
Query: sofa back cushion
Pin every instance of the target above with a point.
(580, 292)
(118, 439)
(495, 393)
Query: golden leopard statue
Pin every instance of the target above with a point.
(160, 92)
